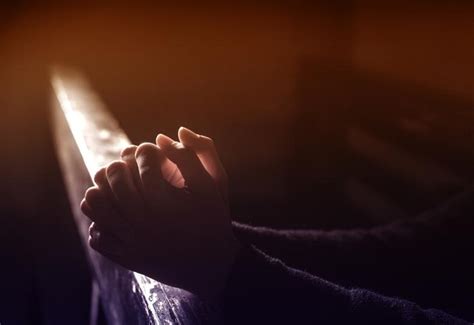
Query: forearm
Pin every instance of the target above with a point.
(328, 254)
(263, 290)
(415, 256)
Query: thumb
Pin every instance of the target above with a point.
(206, 151)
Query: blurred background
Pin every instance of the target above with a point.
(326, 115)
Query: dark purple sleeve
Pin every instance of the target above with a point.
(428, 260)
(262, 290)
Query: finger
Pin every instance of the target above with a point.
(86, 209)
(149, 158)
(195, 175)
(126, 194)
(99, 209)
(204, 147)
(100, 179)
(128, 156)
(171, 173)
(105, 242)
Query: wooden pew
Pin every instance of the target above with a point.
(87, 137)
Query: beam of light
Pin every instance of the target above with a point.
(100, 140)
(91, 125)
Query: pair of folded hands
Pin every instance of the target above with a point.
(162, 210)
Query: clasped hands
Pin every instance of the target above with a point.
(162, 211)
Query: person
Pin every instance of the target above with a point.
(162, 210)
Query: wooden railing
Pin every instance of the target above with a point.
(88, 137)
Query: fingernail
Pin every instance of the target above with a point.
(164, 141)
(188, 132)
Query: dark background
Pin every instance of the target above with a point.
(348, 115)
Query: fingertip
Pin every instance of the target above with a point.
(164, 141)
(101, 176)
(128, 151)
(146, 149)
(186, 135)
(85, 207)
(199, 143)
(116, 167)
(92, 193)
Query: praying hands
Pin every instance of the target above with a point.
(162, 211)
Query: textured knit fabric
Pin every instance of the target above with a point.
(279, 275)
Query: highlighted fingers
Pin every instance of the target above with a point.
(204, 147)
(98, 207)
(196, 177)
(123, 188)
(128, 156)
(100, 179)
(149, 160)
